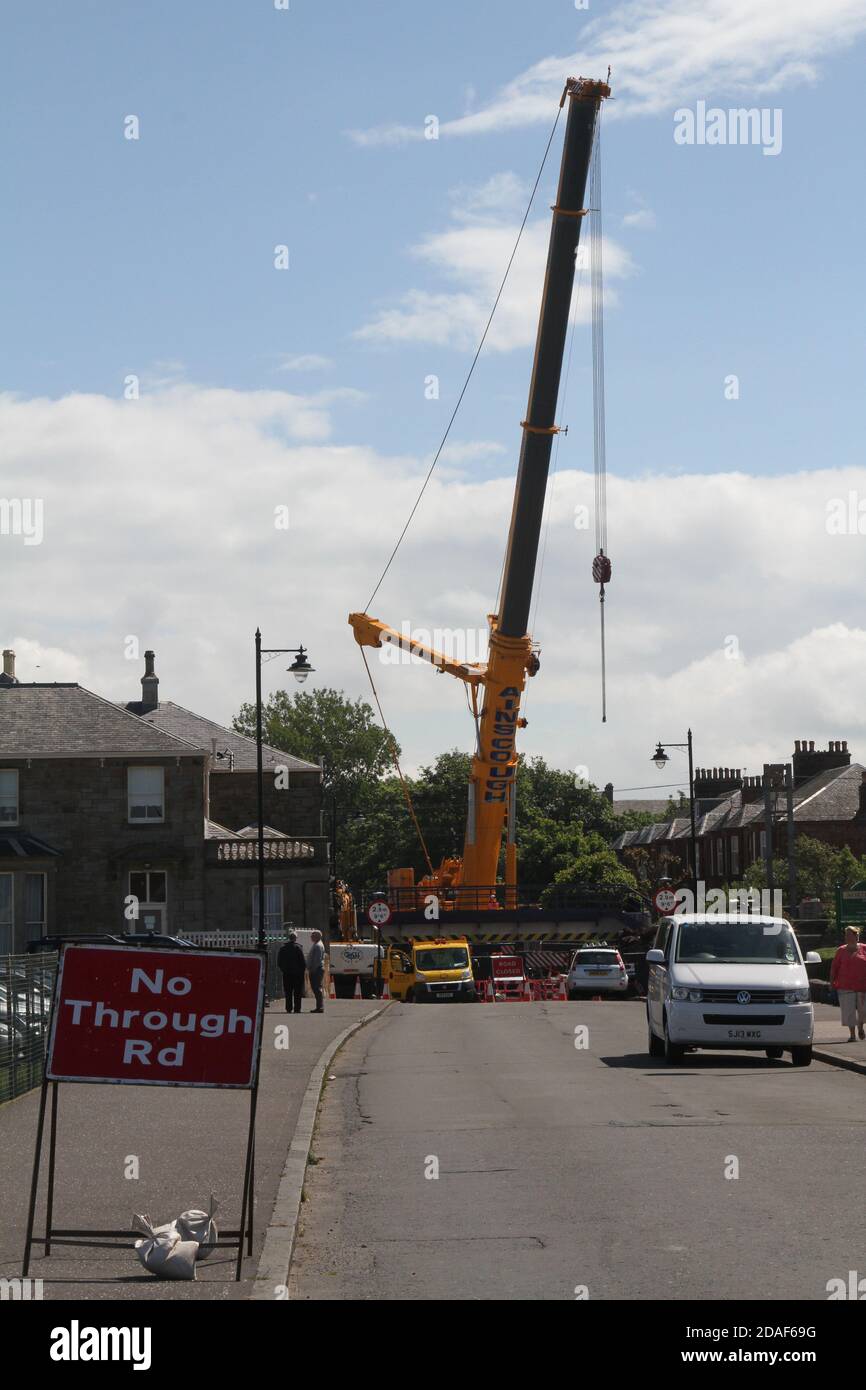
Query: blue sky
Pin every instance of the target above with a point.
(155, 257)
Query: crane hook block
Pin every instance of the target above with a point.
(601, 570)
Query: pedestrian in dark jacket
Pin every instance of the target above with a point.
(316, 967)
(290, 961)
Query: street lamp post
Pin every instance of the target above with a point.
(300, 669)
(661, 759)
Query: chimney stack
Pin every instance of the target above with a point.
(149, 685)
(8, 677)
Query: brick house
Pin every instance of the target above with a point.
(829, 805)
(103, 803)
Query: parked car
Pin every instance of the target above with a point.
(729, 981)
(142, 938)
(597, 970)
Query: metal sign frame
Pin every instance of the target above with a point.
(102, 1239)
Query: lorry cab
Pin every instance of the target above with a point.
(430, 970)
(729, 981)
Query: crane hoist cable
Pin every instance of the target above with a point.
(474, 362)
(601, 568)
(396, 760)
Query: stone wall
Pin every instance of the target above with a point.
(294, 810)
(79, 806)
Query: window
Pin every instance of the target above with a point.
(273, 908)
(735, 856)
(146, 793)
(8, 796)
(5, 914)
(720, 857)
(34, 907)
(149, 890)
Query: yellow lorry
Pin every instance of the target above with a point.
(430, 971)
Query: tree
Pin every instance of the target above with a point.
(355, 750)
(595, 869)
(819, 868)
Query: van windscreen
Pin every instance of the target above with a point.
(737, 943)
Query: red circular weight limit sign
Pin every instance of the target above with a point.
(664, 901)
(378, 913)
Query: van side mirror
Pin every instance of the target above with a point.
(655, 957)
(813, 958)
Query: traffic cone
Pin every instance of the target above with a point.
(357, 994)
(386, 993)
(332, 993)
(527, 992)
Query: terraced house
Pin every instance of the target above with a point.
(829, 804)
(108, 809)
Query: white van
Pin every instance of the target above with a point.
(729, 980)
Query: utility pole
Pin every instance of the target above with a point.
(792, 852)
(768, 829)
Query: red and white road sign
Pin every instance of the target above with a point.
(156, 1018)
(665, 901)
(379, 913)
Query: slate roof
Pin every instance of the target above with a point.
(195, 729)
(41, 720)
(832, 795)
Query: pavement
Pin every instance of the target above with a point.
(478, 1153)
(831, 1041)
(188, 1143)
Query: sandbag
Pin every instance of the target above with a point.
(201, 1227)
(163, 1252)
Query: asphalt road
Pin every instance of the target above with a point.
(563, 1168)
(188, 1143)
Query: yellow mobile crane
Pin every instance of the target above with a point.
(495, 687)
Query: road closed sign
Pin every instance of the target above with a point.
(156, 1018)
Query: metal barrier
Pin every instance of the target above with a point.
(26, 987)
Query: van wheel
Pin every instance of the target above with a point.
(674, 1052)
(774, 1053)
(801, 1056)
(655, 1046)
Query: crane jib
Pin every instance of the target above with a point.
(540, 422)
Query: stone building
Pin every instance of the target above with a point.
(106, 807)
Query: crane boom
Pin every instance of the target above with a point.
(511, 657)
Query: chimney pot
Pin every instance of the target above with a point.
(149, 685)
(9, 663)
(811, 745)
(844, 745)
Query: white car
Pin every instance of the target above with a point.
(729, 981)
(596, 970)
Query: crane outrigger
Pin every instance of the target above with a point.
(496, 687)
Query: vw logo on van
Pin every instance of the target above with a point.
(744, 997)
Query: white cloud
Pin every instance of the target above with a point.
(644, 219)
(664, 52)
(470, 450)
(474, 257)
(305, 362)
(159, 523)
